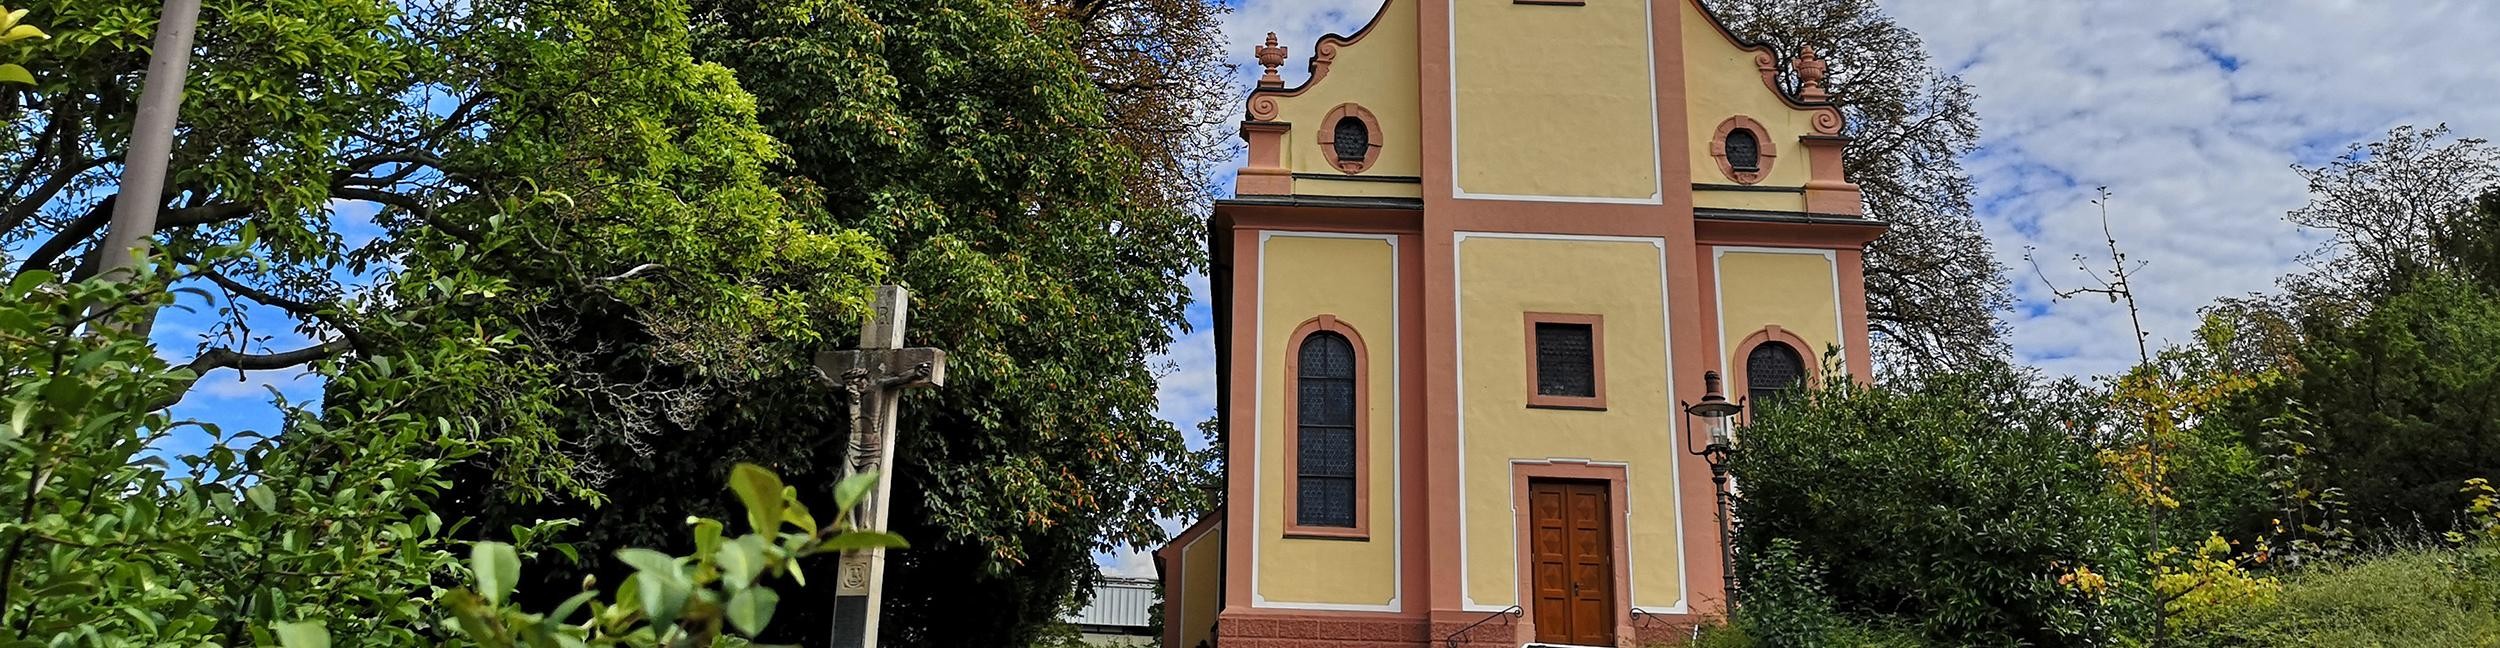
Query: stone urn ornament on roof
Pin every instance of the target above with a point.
(1811, 71)
(1271, 56)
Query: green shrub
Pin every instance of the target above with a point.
(1970, 506)
(1785, 603)
(1743, 634)
(2211, 582)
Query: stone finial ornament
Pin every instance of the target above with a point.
(1811, 70)
(1271, 55)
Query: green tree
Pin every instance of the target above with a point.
(970, 140)
(644, 180)
(1972, 506)
(667, 278)
(105, 541)
(1168, 92)
(971, 145)
(2471, 244)
(2389, 205)
(286, 111)
(2402, 401)
(563, 188)
(2391, 208)
(2192, 407)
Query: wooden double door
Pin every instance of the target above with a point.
(1572, 555)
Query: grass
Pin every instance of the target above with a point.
(2419, 597)
(2448, 598)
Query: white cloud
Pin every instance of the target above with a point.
(1129, 564)
(223, 384)
(2192, 112)
(1135, 563)
(1298, 24)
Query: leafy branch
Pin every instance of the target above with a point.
(669, 600)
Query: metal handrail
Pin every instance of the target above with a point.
(1639, 614)
(1451, 641)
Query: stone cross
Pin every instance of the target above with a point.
(873, 378)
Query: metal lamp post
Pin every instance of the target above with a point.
(1716, 411)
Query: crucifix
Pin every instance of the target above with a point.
(873, 378)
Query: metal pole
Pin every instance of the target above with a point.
(151, 138)
(1727, 564)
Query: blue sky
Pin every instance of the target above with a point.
(234, 400)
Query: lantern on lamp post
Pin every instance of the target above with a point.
(1717, 415)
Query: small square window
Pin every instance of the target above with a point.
(1566, 361)
(1563, 365)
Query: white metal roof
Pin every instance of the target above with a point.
(1119, 603)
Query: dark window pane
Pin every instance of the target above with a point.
(1325, 401)
(1327, 355)
(1772, 369)
(1354, 141)
(1326, 452)
(1565, 360)
(1324, 393)
(1324, 398)
(1744, 153)
(1325, 501)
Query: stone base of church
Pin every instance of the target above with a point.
(1321, 629)
(1354, 630)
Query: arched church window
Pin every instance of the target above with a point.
(1325, 439)
(1354, 139)
(1744, 150)
(1772, 369)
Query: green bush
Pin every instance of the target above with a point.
(1970, 506)
(1785, 601)
(1745, 634)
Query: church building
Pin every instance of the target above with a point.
(1472, 268)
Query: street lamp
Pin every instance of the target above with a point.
(1716, 411)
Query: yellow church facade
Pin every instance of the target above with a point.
(1472, 266)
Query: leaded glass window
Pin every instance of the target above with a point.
(1771, 370)
(1566, 362)
(1744, 152)
(1354, 140)
(1325, 395)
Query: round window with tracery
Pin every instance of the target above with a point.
(1351, 138)
(1743, 150)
